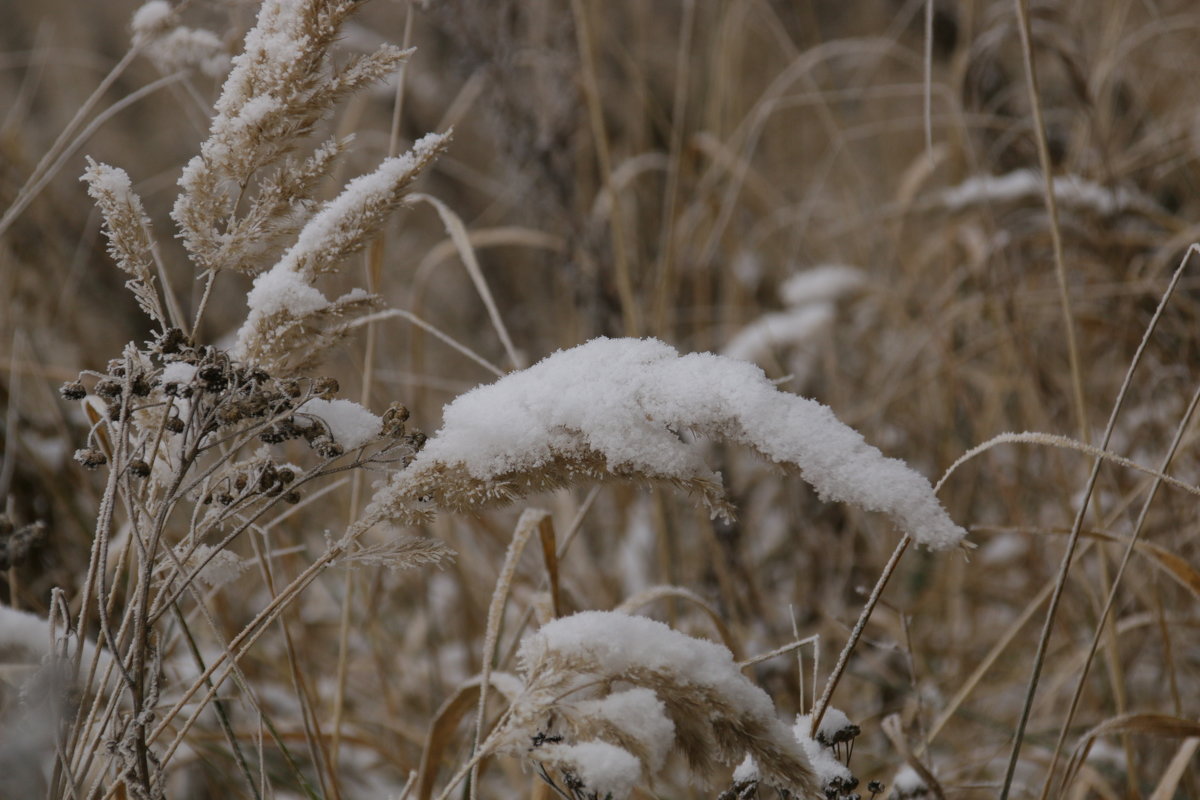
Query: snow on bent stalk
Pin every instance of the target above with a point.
(627, 408)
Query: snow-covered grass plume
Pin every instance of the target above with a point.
(628, 408)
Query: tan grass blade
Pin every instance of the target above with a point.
(1161, 725)
(531, 519)
(1173, 774)
(441, 732)
(462, 242)
(550, 555)
(1162, 558)
(893, 728)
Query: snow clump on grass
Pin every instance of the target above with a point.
(629, 408)
(607, 696)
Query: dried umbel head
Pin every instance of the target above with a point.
(608, 696)
(18, 544)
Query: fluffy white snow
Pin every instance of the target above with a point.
(350, 424)
(779, 329)
(824, 763)
(641, 715)
(908, 783)
(605, 769)
(620, 643)
(746, 771)
(821, 284)
(1026, 184)
(630, 400)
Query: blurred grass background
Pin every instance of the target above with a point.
(631, 168)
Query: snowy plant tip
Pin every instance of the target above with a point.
(687, 694)
(627, 408)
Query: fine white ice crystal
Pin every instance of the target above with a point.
(629, 408)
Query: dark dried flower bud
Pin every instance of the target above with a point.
(172, 341)
(875, 787)
(254, 406)
(229, 414)
(107, 388)
(268, 477)
(213, 377)
(291, 387)
(90, 457)
(139, 468)
(174, 424)
(239, 482)
(325, 387)
(286, 476)
(224, 498)
(16, 550)
(394, 419)
(141, 387)
(327, 448)
(72, 390)
(417, 440)
(292, 497)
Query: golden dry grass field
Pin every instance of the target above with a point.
(227, 340)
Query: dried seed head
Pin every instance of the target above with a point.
(172, 341)
(173, 424)
(327, 448)
(214, 377)
(16, 550)
(139, 468)
(325, 387)
(108, 388)
(292, 497)
(72, 390)
(393, 420)
(141, 387)
(272, 435)
(286, 476)
(90, 457)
